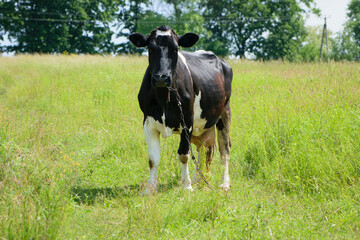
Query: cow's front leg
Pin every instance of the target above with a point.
(184, 158)
(152, 137)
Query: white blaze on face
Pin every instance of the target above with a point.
(163, 33)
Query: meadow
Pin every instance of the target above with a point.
(73, 158)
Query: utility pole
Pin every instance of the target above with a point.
(322, 41)
(327, 42)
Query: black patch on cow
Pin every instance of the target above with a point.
(151, 164)
(220, 125)
(188, 40)
(184, 142)
(201, 72)
(138, 39)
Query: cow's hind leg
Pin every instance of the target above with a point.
(223, 129)
(153, 141)
(209, 156)
(184, 158)
(204, 142)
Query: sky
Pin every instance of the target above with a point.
(334, 11)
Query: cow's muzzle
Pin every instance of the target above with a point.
(160, 80)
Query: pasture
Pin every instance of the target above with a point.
(73, 158)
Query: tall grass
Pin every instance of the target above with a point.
(73, 156)
(300, 125)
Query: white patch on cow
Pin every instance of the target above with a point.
(160, 127)
(203, 51)
(153, 142)
(185, 178)
(167, 132)
(183, 59)
(163, 33)
(199, 123)
(225, 177)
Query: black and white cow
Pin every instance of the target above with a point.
(186, 93)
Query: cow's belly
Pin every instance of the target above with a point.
(199, 127)
(198, 122)
(165, 131)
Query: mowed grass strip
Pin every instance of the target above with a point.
(73, 159)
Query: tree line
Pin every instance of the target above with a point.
(260, 29)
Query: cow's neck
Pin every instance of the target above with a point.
(162, 95)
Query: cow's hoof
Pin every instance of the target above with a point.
(225, 186)
(188, 188)
(149, 190)
(196, 179)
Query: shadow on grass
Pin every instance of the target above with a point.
(89, 196)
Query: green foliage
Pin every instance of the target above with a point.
(267, 29)
(183, 17)
(73, 159)
(354, 19)
(128, 18)
(310, 49)
(344, 47)
(234, 23)
(58, 26)
(286, 31)
(261, 29)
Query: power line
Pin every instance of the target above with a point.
(50, 20)
(206, 19)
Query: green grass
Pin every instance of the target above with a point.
(73, 159)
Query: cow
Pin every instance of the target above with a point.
(186, 93)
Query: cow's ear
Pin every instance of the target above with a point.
(188, 40)
(138, 39)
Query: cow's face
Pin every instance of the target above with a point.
(163, 45)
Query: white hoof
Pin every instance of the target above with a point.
(225, 186)
(150, 190)
(188, 188)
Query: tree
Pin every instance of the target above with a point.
(344, 46)
(128, 18)
(186, 17)
(267, 28)
(75, 26)
(310, 49)
(236, 23)
(182, 17)
(354, 19)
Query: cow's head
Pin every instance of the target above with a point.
(163, 44)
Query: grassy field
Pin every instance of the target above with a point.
(73, 159)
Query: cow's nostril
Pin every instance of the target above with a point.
(160, 80)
